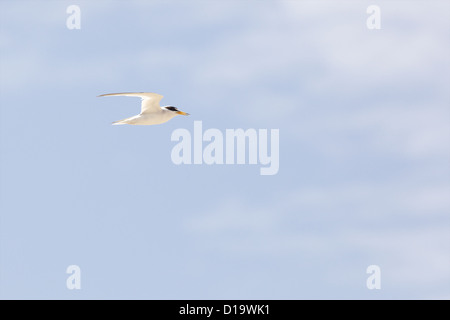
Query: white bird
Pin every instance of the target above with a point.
(151, 112)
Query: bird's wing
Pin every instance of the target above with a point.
(150, 101)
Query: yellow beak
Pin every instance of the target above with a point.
(183, 113)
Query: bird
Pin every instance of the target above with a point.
(151, 112)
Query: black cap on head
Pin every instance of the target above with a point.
(171, 108)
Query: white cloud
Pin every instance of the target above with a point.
(410, 131)
(401, 228)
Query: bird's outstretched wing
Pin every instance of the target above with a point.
(150, 101)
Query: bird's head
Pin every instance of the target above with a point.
(174, 109)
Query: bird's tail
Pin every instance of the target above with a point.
(119, 122)
(124, 121)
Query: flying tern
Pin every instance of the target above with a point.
(151, 112)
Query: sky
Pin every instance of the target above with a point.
(364, 134)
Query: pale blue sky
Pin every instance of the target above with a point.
(364, 177)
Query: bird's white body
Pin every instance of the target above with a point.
(149, 119)
(151, 112)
